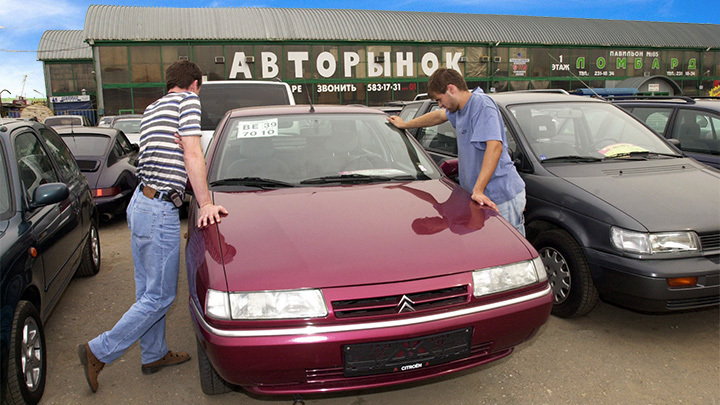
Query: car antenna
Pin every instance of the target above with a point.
(579, 79)
(312, 108)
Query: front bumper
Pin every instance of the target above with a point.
(310, 359)
(642, 284)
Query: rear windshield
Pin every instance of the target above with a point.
(51, 121)
(94, 145)
(216, 100)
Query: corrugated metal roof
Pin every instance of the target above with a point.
(63, 44)
(108, 23)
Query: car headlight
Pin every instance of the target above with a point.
(654, 243)
(503, 278)
(286, 304)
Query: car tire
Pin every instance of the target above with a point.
(210, 382)
(568, 273)
(90, 261)
(27, 360)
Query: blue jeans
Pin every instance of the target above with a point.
(155, 228)
(512, 211)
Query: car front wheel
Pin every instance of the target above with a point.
(27, 364)
(568, 273)
(210, 382)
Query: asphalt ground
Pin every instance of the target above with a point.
(610, 356)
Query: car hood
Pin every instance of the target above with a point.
(358, 235)
(661, 195)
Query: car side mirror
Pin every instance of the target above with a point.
(135, 147)
(450, 167)
(50, 193)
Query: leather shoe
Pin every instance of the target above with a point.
(91, 364)
(170, 359)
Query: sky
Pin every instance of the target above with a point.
(23, 22)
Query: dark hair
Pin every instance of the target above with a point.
(181, 74)
(440, 79)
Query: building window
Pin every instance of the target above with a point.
(61, 78)
(171, 54)
(204, 57)
(117, 100)
(325, 61)
(84, 77)
(144, 96)
(114, 62)
(145, 64)
(353, 62)
(477, 62)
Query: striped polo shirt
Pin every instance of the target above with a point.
(161, 165)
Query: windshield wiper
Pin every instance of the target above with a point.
(251, 182)
(572, 158)
(355, 178)
(642, 155)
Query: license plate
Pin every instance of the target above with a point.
(406, 355)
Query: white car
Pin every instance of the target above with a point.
(218, 97)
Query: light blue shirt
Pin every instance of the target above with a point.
(476, 123)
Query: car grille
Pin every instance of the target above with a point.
(710, 241)
(415, 302)
(690, 303)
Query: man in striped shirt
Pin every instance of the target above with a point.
(164, 168)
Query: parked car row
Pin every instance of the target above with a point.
(48, 234)
(615, 210)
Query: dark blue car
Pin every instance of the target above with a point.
(48, 233)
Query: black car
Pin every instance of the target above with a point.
(614, 209)
(694, 123)
(108, 160)
(48, 233)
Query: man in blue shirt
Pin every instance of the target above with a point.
(486, 170)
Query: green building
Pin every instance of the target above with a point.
(369, 57)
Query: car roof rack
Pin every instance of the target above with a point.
(688, 100)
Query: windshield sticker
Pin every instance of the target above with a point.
(621, 149)
(258, 129)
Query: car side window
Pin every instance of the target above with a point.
(439, 137)
(64, 158)
(697, 131)
(5, 190)
(124, 143)
(34, 164)
(656, 117)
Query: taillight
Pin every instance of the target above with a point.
(106, 192)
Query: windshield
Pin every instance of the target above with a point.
(128, 126)
(87, 145)
(303, 148)
(63, 120)
(585, 129)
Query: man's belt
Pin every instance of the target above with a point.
(152, 194)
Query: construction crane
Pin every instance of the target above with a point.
(22, 92)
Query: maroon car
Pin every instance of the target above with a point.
(348, 260)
